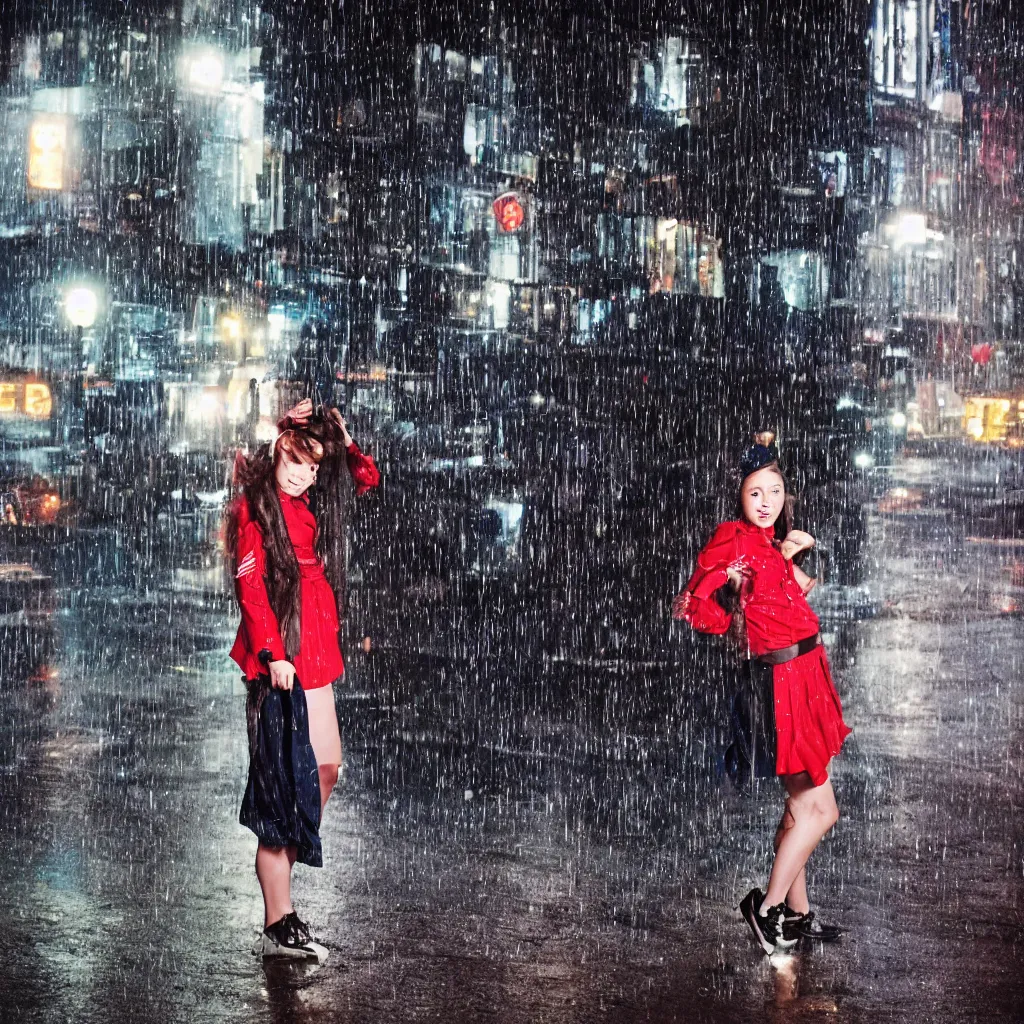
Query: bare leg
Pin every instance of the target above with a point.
(274, 871)
(814, 811)
(274, 866)
(797, 895)
(328, 779)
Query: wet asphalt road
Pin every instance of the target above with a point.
(547, 845)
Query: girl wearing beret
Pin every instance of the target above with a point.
(798, 722)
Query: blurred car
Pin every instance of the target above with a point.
(29, 503)
(27, 597)
(900, 499)
(1009, 599)
(999, 519)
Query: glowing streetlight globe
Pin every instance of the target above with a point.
(206, 72)
(81, 306)
(201, 70)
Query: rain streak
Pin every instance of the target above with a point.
(554, 265)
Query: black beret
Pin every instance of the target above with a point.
(760, 454)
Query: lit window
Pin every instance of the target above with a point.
(47, 146)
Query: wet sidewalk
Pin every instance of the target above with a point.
(547, 846)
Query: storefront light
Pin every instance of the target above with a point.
(231, 327)
(666, 229)
(206, 407)
(911, 229)
(38, 401)
(47, 153)
(275, 323)
(898, 421)
(499, 299)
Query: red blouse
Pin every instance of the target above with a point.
(318, 661)
(774, 607)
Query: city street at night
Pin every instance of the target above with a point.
(511, 513)
(528, 843)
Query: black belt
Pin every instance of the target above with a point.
(785, 654)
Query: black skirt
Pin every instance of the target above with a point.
(751, 755)
(282, 794)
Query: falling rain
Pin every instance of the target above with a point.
(554, 265)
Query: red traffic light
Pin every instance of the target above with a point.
(509, 212)
(981, 353)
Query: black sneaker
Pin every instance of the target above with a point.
(300, 926)
(289, 937)
(767, 929)
(803, 926)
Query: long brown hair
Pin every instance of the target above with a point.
(255, 476)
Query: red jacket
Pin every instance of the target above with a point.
(319, 660)
(775, 609)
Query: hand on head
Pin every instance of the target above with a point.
(300, 413)
(346, 437)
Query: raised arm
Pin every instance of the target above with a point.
(361, 466)
(797, 541)
(365, 474)
(717, 564)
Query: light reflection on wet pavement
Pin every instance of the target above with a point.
(554, 846)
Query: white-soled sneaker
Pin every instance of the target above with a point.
(767, 929)
(289, 937)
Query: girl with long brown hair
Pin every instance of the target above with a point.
(286, 544)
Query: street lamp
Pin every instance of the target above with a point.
(201, 70)
(81, 306)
